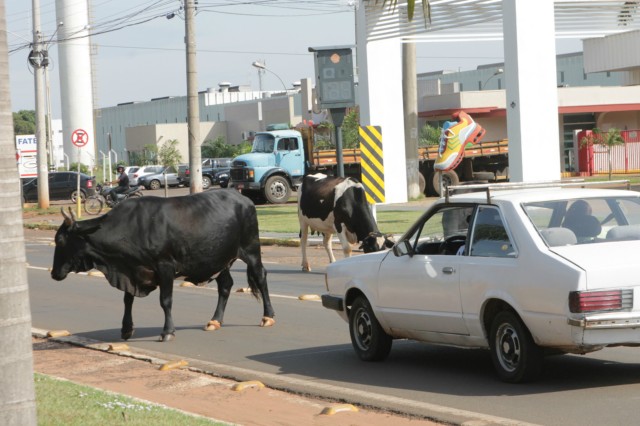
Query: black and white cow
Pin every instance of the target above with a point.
(145, 243)
(335, 205)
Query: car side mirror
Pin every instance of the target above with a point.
(403, 248)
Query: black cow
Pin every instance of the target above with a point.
(145, 243)
(337, 205)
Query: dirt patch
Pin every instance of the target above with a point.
(197, 393)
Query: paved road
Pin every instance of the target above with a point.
(308, 350)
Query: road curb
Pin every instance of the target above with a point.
(434, 412)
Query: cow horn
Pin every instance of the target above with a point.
(70, 218)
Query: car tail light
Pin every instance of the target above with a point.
(135, 175)
(600, 301)
(89, 183)
(187, 172)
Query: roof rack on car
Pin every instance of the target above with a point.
(488, 187)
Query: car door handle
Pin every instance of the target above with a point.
(448, 270)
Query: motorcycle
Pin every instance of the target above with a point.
(95, 203)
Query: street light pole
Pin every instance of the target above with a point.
(262, 66)
(260, 72)
(193, 104)
(497, 72)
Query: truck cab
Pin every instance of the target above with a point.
(274, 167)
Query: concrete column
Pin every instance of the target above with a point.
(532, 95)
(380, 99)
(76, 87)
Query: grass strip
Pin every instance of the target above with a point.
(64, 403)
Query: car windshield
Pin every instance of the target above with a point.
(263, 143)
(588, 220)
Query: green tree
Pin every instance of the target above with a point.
(168, 154)
(17, 391)
(429, 135)
(325, 133)
(24, 122)
(83, 168)
(218, 148)
(607, 139)
(149, 154)
(243, 148)
(411, 7)
(351, 129)
(323, 136)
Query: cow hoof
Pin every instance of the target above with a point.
(307, 269)
(267, 322)
(213, 325)
(167, 338)
(126, 335)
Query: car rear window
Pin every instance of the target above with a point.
(587, 220)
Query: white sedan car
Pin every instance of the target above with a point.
(524, 273)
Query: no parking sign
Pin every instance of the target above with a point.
(79, 138)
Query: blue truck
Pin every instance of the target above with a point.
(280, 157)
(274, 167)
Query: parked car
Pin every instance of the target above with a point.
(523, 273)
(130, 170)
(222, 178)
(62, 186)
(156, 180)
(143, 171)
(210, 169)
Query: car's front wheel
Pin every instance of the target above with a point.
(515, 355)
(154, 184)
(369, 340)
(206, 182)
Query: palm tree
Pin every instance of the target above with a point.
(411, 7)
(17, 396)
(609, 139)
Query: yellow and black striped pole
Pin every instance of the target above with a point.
(372, 163)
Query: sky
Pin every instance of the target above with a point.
(140, 54)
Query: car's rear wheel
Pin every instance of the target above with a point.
(515, 355)
(74, 196)
(369, 340)
(154, 184)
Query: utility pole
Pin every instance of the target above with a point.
(193, 103)
(410, 99)
(39, 59)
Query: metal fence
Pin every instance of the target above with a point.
(624, 158)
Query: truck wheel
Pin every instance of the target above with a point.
(488, 176)
(422, 183)
(277, 190)
(206, 182)
(449, 178)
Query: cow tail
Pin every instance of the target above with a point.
(250, 253)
